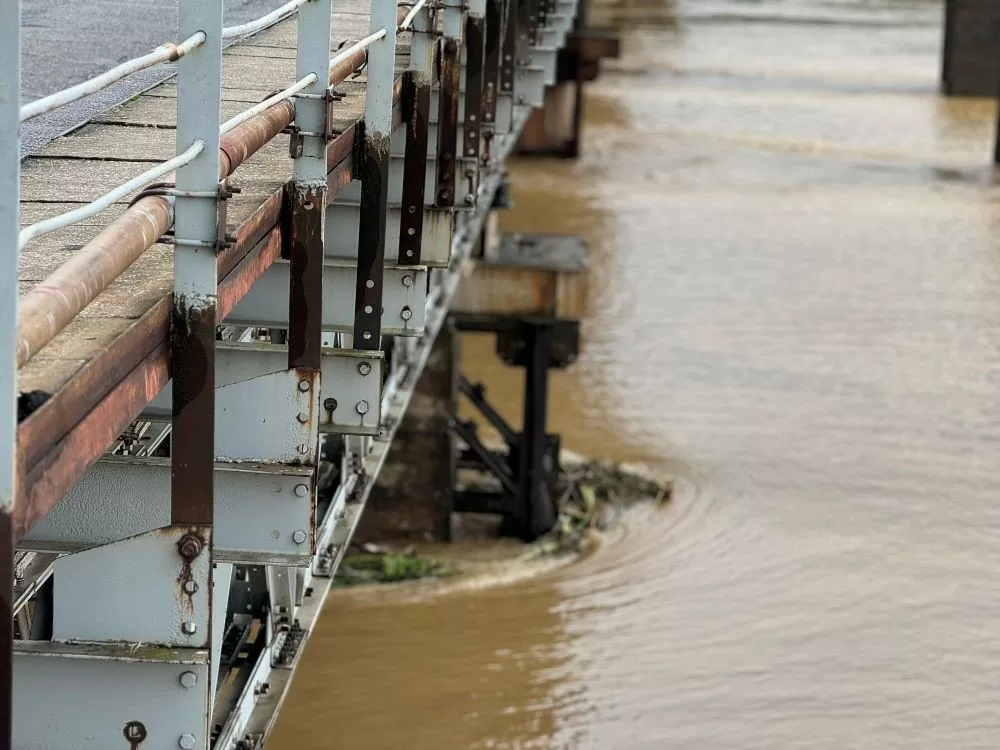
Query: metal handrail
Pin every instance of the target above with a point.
(95, 207)
(263, 22)
(411, 15)
(365, 43)
(281, 96)
(168, 52)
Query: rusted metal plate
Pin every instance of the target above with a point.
(447, 124)
(371, 240)
(308, 207)
(417, 101)
(475, 49)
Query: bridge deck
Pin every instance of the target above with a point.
(79, 167)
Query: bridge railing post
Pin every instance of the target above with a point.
(10, 62)
(199, 229)
(374, 172)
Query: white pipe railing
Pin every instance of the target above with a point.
(168, 52)
(95, 207)
(411, 15)
(365, 43)
(269, 102)
(263, 22)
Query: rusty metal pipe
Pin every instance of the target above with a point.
(51, 306)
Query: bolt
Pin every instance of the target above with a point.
(304, 386)
(189, 679)
(406, 313)
(194, 313)
(190, 546)
(362, 407)
(190, 587)
(450, 45)
(329, 404)
(186, 742)
(407, 280)
(299, 536)
(189, 628)
(364, 368)
(469, 199)
(303, 448)
(301, 490)
(303, 417)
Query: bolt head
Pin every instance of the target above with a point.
(470, 199)
(301, 490)
(304, 386)
(189, 628)
(302, 417)
(364, 368)
(299, 537)
(186, 742)
(190, 587)
(406, 313)
(303, 448)
(189, 679)
(190, 546)
(362, 407)
(407, 280)
(330, 404)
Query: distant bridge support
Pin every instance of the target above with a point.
(971, 50)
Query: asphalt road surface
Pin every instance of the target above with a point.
(67, 41)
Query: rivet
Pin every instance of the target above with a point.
(330, 404)
(469, 199)
(303, 448)
(299, 536)
(186, 742)
(304, 386)
(303, 417)
(362, 407)
(189, 628)
(364, 368)
(370, 284)
(189, 679)
(301, 490)
(368, 309)
(190, 587)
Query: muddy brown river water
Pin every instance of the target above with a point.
(795, 306)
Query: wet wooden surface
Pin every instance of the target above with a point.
(87, 163)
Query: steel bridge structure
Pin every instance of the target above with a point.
(197, 296)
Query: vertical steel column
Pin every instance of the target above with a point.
(538, 513)
(417, 106)
(375, 176)
(10, 165)
(491, 65)
(196, 229)
(308, 199)
(509, 46)
(448, 103)
(475, 50)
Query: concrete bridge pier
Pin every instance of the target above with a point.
(971, 49)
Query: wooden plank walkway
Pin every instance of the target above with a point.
(81, 166)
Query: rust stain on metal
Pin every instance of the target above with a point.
(235, 286)
(192, 447)
(135, 733)
(247, 138)
(250, 232)
(416, 106)
(44, 484)
(52, 304)
(189, 547)
(70, 404)
(448, 124)
(305, 297)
